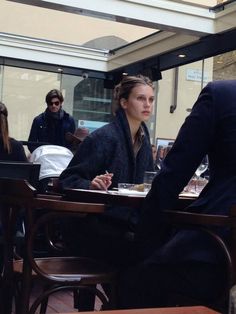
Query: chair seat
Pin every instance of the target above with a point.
(85, 270)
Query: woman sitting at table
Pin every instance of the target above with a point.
(117, 152)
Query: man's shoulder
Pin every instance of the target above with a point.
(39, 117)
(228, 84)
(67, 116)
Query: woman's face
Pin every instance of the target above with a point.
(139, 105)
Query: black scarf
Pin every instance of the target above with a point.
(55, 115)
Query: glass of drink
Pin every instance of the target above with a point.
(147, 180)
(125, 188)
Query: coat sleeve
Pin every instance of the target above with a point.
(33, 137)
(72, 125)
(21, 153)
(89, 161)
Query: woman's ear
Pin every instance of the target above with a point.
(123, 103)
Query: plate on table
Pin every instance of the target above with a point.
(188, 194)
(131, 193)
(115, 192)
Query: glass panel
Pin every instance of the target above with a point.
(190, 84)
(178, 92)
(208, 3)
(92, 103)
(1, 81)
(165, 122)
(24, 93)
(224, 66)
(92, 100)
(16, 18)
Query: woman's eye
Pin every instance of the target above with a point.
(141, 98)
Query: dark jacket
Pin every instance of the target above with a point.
(109, 148)
(48, 130)
(17, 151)
(209, 129)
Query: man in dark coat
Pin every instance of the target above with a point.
(189, 263)
(51, 126)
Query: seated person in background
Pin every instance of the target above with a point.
(51, 126)
(189, 263)
(77, 138)
(122, 148)
(154, 155)
(10, 149)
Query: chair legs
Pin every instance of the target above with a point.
(85, 300)
(93, 291)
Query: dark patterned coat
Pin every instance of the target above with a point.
(109, 148)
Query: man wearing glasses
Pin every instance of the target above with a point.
(51, 126)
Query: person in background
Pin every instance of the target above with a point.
(51, 126)
(154, 155)
(77, 138)
(10, 149)
(188, 264)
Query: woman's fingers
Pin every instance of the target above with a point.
(102, 182)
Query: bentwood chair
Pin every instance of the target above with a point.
(56, 272)
(206, 223)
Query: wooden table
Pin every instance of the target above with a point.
(170, 310)
(115, 198)
(104, 197)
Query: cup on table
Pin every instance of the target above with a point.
(147, 180)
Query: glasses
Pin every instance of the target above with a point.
(56, 103)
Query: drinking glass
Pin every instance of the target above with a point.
(125, 188)
(200, 169)
(147, 180)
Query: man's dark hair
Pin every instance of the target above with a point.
(54, 93)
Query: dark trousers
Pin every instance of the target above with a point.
(100, 238)
(150, 284)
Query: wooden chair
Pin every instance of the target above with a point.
(56, 273)
(206, 223)
(20, 170)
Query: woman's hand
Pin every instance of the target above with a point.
(101, 182)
